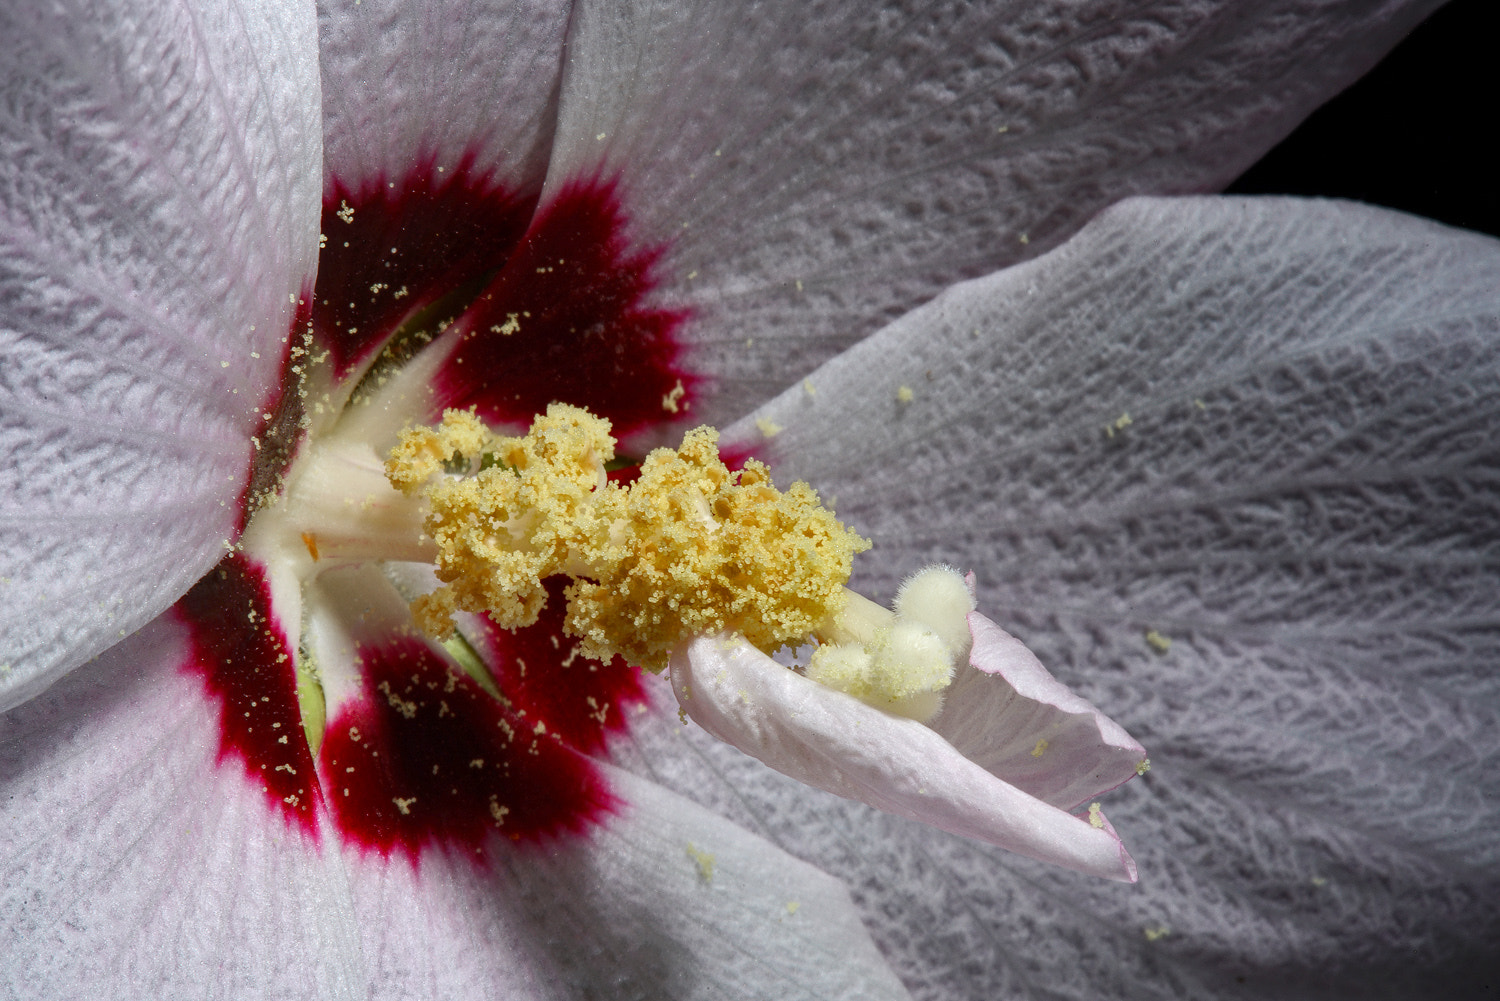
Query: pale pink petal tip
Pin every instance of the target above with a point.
(1009, 715)
(834, 742)
(1127, 864)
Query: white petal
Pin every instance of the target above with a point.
(1006, 713)
(835, 742)
(761, 925)
(820, 168)
(667, 901)
(1317, 540)
(135, 864)
(160, 185)
(404, 81)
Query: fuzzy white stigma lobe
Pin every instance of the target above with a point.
(898, 661)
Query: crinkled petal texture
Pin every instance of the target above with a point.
(159, 168)
(669, 901)
(1268, 430)
(132, 868)
(833, 741)
(444, 83)
(135, 862)
(819, 168)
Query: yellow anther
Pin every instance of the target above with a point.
(423, 451)
(689, 549)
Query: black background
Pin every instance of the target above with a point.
(1418, 133)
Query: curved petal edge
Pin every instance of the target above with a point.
(1008, 714)
(834, 742)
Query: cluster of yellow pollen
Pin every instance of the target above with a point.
(689, 549)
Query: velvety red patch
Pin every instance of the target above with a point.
(427, 756)
(581, 700)
(565, 321)
(735, 457)
(551, 306)
(394, 247)
(240, 652)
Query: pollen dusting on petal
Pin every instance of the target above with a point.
(767, 427)
(704, 861)
(689, 549)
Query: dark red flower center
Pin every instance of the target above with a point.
(552, 303)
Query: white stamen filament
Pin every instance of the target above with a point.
(338, 509)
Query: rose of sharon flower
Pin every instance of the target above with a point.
(1225, 464)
